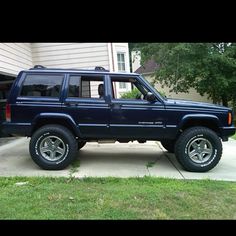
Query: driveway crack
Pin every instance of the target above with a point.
(149, 174)
(164, 153)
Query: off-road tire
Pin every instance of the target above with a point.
(68, 140)
(184, 141)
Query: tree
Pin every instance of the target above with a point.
(210, 68)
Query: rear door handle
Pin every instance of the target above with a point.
(115, 106)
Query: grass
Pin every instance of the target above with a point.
(74, 166)
(116, 198)
(234, 136)
(150, 164)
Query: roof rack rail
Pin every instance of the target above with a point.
(100, 68)
(38, 67)
(97, 68)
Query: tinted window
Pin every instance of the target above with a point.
(74, 86)
(42, 85)
(4, 90)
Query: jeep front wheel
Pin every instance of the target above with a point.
(53, 147)
(198, 149)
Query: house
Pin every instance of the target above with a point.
(19, 56)
(148, 69)
(15, 57)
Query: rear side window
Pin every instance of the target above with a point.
(86, 86)
(42, 85)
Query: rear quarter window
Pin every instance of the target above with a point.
(42, 86)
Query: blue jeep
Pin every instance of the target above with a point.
(63, 109)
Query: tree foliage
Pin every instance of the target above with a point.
(208, 67)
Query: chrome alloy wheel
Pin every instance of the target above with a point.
(200, 150)
(52, 148)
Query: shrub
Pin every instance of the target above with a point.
(133, 94)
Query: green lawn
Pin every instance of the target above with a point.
(115, 198)
(234, 136)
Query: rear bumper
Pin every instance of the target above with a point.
(226, 132)
(21, 129)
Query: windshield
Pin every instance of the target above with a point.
(153, 87)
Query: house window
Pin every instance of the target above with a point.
(122, 85)
(121, 68)
(121, 61)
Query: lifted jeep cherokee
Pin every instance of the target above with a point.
(63, 109)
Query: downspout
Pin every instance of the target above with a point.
(112, 58)
(113, 69)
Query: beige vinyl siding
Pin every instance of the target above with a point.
(71, 55)
(191, 95)
(15, 57)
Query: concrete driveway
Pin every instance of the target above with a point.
(118, 160)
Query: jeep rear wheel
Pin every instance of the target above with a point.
(198, 149)
(53, 147)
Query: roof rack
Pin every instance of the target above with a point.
(38, 67)
(100, 68)
(97, 68)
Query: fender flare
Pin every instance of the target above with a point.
(207, 117)
(60, 116)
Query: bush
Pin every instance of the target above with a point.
(162, 93)
(135, 94)
(131, 94)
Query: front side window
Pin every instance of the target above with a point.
(136, 89)
(42, 86)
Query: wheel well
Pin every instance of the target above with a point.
(211, 124)
(54, 121)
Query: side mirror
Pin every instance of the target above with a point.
(150, 97)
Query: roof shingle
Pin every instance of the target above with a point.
(149, 67)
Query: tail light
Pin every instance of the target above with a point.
(229, 118)
(8, 112)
